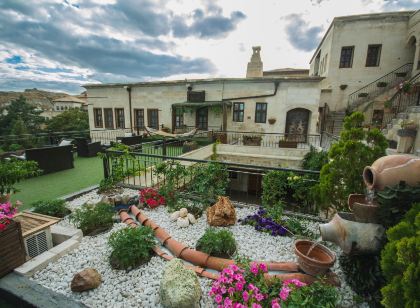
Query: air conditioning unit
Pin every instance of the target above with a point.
(38, 243)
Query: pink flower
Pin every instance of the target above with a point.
(234, 267)
(218, 298)
(238, 277)
(228, 302)
(259, 297)
(245, 296)
(254, 268)
(275, 303)
(263, 267)
(284, 293)
(256, 305)
(239, 286)
(252, 287)
(231, 291)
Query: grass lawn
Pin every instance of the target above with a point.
(86, 172)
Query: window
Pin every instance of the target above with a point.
(119, 118)
(373, 55)
(109, 118)
(139, 118)
(260, 112)
(97, 115)
(153, 118)
(238, 112)
(346, 58)
(179, 118)
(57, 108)
(62, 107)
(202, 118)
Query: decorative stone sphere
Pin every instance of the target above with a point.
(174, 216)
(182, 222)
(183, 212)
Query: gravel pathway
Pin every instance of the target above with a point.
(140, 287)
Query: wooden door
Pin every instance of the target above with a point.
(202, 118)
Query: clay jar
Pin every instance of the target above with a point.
(363, 210)
(392, 169)
(353, 237)
(319, 260)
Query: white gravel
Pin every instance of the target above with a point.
(140, 287)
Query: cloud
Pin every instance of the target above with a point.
(397, 5)
(210, 24)
(300, 34)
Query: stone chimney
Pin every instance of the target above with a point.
(255, 67)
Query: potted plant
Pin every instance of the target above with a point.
(343, 86)
(388, 106)
(12, 253)
(363, 94)
(252, 140)
(272, 120)
(381, 84)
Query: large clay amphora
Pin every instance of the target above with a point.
(391, 170)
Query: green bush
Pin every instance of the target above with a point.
(342, 175)
(13, 171)
(314, 159)
(15, 147)
(56, 208)
(93, 219)
(299, 227)
(131, 247)
(217, 243)
(315, 295)
(400, 262)
(274, 186)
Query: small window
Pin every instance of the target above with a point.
(153, 118)
(62, 107)
(57, 108)
(179, 118)
(139, 118)
(119, 118)
(238, 112)
(109, 118)
(346, 58)
(261, 113)
(97, 115)
(373, 55)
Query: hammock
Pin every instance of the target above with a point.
(152, 131)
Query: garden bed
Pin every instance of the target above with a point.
(140, 287)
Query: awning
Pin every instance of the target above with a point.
(202, 104)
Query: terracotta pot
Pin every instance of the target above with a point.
(392, 169)
(353, 237)
(363, 210)
(319, 260)
(195, 257)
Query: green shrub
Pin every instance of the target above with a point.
(93, 219)
(56, 208)
(217, 243)
(299, 227)
(400, 262)
(315, 295)
(13, 171)
(131, 247)
(342, 175)
(314, 159)
(15, 147)
(274, 186)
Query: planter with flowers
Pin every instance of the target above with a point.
(151, 197)
(12, 252)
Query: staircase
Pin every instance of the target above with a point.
(379, 86)
(334, 122)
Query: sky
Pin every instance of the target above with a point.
(61, 45)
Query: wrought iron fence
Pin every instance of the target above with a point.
(245, 180)
(379, 86)
(327, 140)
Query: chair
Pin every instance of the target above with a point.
(86, 148)
(131, 140)
(52, 159)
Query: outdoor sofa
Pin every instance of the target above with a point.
(52, 159)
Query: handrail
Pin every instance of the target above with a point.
(392, 79)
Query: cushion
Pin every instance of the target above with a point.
(64, 142)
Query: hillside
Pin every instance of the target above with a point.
(40, 98)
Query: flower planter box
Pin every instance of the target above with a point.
(381, 84)
(252, 140)
(222, 137)
(363, 95)
(12, 252)
(405, 132)
(288, 144)
(402, 74)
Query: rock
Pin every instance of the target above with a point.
(118, 200)
(104, 199)
(86, 280)
(182, 222)
(222, 213)
(191, 218)
(125, 198)
(183, 212)
(179, 287)
(174, 216)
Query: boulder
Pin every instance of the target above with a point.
(86, 280)
(183, 212)
(175, 216)
(182, 222)
(179, 287)
(191, 218)
(222, 213)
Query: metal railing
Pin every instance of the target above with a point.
(327, 140)
(380, 85)
(140, 170)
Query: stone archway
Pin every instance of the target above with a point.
(297, 124)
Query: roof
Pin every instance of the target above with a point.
(210, 80)
(362, 17)
(202, 104)
(69, 99)
(287, 70)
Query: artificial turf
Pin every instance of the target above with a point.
(86, 172)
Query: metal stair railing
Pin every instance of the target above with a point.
(379, 86)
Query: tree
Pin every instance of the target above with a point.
(69, 120)
(342, 175)
(20, 116)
